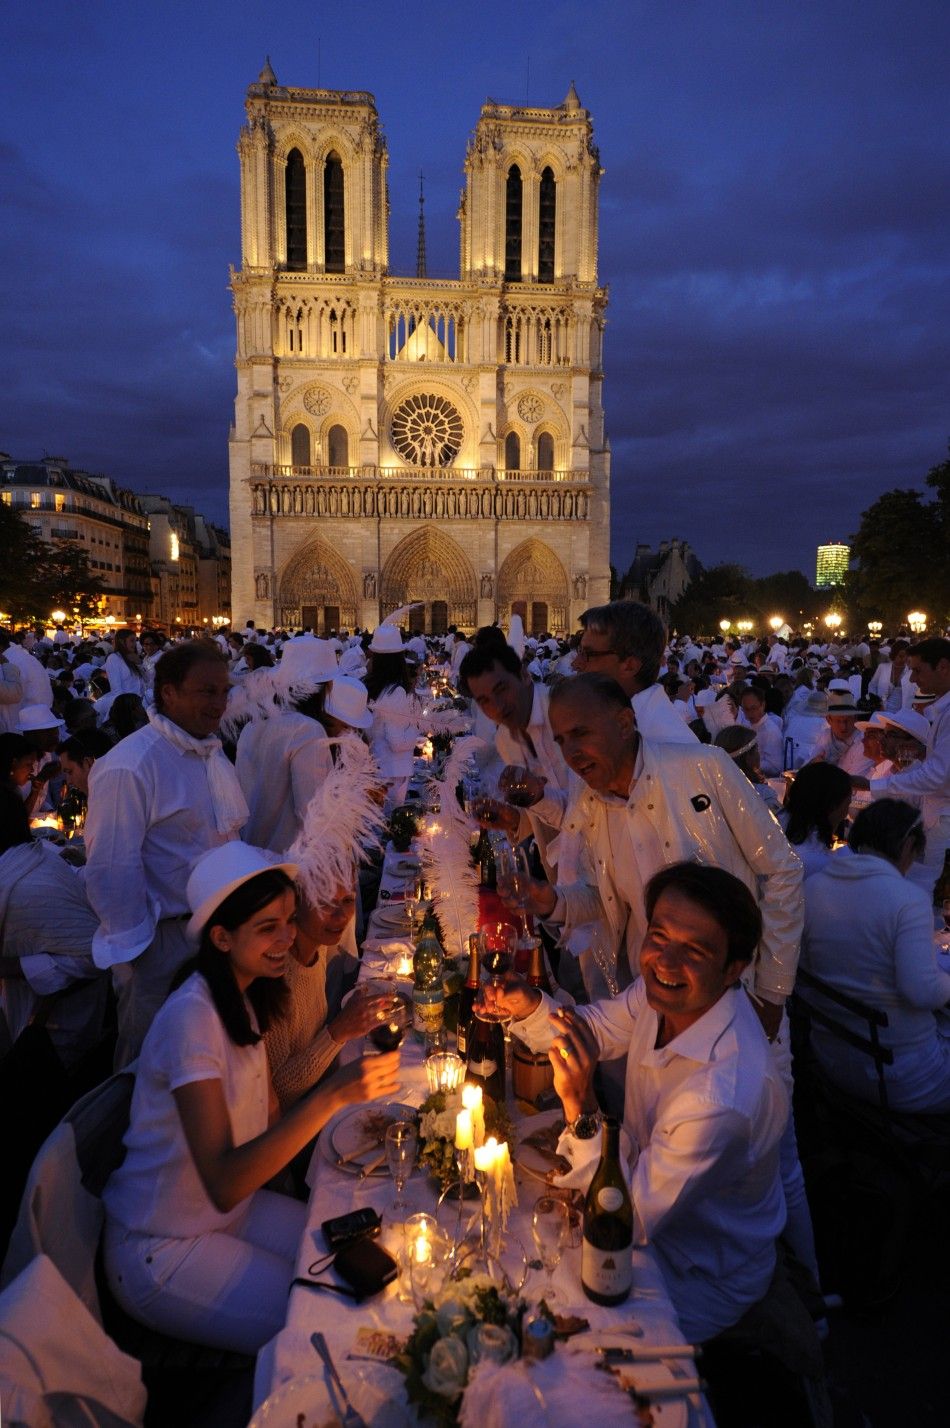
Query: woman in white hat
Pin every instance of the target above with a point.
(396, 711)
(194, 1246)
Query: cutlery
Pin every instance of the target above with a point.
(648, 1353)
(361, 1150)
(351, 1419)
(682, 1388)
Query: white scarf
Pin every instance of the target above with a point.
(230, 808)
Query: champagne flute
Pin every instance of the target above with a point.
(514, 877)
(414, 900)
(551, 1231)
(402, 1144)
(607, 962)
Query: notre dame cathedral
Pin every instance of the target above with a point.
(401, 439)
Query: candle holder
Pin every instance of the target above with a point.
(444, 1071)
(426, 1251)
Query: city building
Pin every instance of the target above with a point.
(404, 439)
(92, 512)
(660, 577)
(832, 565)
(191, 566)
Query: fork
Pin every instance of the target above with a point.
(351, 1419)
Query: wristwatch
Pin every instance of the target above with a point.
(585, 1126)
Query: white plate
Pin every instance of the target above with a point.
(347, 1134)
(375, 1391)
(531, 1161)
(667, 1412)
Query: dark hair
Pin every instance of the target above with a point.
(176, 664)
(724, 896)
(899, 646)
(85, 744)
(386, 670)
(268, 997)
(78, 714)
(732, 738)
(931, 651)
(13, 746)
(817, 790)
(599, 688)
(482, 658)
(633, 629)
(257, 656)
(152, 635)
(235, 635)
(14, 819)
(118, 640)
(884, 826)
(126, 714)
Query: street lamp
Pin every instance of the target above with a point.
(744, 626)
(724, 625)
(776, 623)
(58, 617)
(833, 620)
(875, 627)
(917, 621)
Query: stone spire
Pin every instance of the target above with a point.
(421, 243)
(267, 75)
(572, 102)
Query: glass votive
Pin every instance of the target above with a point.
(444, 1071)
(426, 1252)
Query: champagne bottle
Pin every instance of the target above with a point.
(468, 996)
(536, 975)
(487, 873)
(486, 1056)
(606, 1254)
(532, 1075)
(428, 996)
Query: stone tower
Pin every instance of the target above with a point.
(401, 439)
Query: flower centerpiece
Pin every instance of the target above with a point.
(437, 1116)
(470, 1321)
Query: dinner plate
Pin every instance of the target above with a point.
(376, 1391)
(536, 1163)
(347, 1133)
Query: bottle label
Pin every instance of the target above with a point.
(610, 1198)
(485, 1069)
(461, 1037)
(606, 1272)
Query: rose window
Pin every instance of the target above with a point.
(427, 431)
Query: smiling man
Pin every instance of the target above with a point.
(704, 1107)
(157, 801)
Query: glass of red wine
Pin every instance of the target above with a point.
(499, 941)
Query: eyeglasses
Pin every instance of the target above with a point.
(584, 652)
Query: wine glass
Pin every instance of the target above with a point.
(513, 879)
(517, 787)
(402, 1144)
(414, 901)
(498, 941)
(606, 960)
(551, 1231)
(392, 1023)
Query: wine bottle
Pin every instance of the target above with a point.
(532, 1075)
(486, 1056)
(536, 975)
(487, 872)
(428, 996)
(606, 1253)
(468, 996)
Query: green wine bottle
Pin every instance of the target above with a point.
(428, 997)
(607, 1250)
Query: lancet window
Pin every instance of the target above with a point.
(512, 451)
(513, 218)
(300, 445)
(334, 225)
(547, 212)
(295, 185)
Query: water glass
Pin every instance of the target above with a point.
(551, 1230)
(402, 1145)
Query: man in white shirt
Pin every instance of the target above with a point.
(626, 640)
(704, 1108)
(157, 801)
(37, 688)
(842, 742)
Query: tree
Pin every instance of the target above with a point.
(900, 550)
(37, 577)
(721, 593)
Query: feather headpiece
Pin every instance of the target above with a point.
(341, 824)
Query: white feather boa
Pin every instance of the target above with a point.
(341, 824)
(448, 836)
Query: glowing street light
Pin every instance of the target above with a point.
(917, 621)
(776, 623)
(58, 616)
(875, 627)
(833, 620)
(744, 626)
(724, 625)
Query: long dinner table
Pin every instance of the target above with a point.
(565, 1388)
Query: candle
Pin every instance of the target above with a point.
(422, 1250)
(472, 1101)
(484, 1158)
(463, 1130)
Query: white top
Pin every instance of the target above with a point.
(11, 696)
(869, 932)
(157, 1190)
(281, 763)
(657, 720)
(150, 817)
(927, 782)
(771, 740)
(396, 731)
(703, 1116)
(37, 688)
(892, 696)
(122, 679)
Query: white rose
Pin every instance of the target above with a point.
(447, 1369)
(494, 1342)
(452, 1314)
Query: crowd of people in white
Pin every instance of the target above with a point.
(712, 813)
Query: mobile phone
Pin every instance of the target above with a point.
(356, 1225)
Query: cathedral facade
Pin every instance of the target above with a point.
(404, 439)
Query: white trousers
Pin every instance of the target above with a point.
(227, 1289)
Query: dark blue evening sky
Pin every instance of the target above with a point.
(773, 232)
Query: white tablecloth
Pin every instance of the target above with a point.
(573, 1390)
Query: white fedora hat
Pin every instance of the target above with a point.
(307, 658)
(38, 716)
(387, 639)
(346, 701)
(909, 722)
(219, 872)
